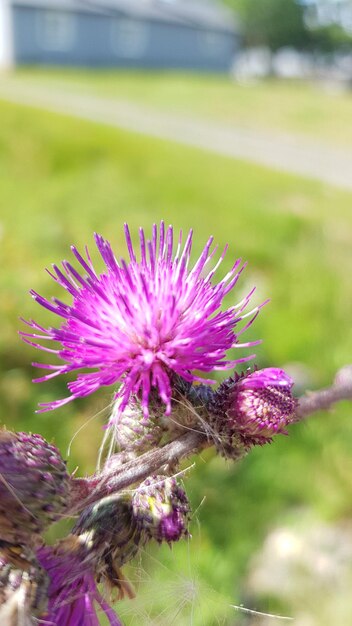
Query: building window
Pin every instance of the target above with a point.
(56, 30)
(129, 38)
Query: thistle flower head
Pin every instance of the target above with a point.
(73, 594)
(255, 406)
(162, 509)
(34, 486)
(142, 320)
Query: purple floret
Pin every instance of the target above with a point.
(73, 593)
(269, 376)
(142, 320)
(172, 527)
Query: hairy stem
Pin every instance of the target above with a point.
(119, 477)
(322, 400)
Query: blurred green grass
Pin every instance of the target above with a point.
(61, 179)
(293, 106)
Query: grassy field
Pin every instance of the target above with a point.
(60, 180)
(319, 112)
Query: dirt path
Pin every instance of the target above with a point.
(282, 152)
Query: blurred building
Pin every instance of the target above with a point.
(190, 34)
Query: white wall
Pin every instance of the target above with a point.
(6, 41)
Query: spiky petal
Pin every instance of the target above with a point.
(143, 319)
(162, 508)
(73, 593)
(34, 486)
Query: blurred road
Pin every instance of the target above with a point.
(284, 152)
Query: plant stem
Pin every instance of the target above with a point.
(119, 476)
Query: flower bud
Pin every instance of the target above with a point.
(254, 407)
(111, 537)
(134, 433)
(162, 509)
(34, 486)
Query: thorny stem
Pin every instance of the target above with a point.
(119, 476)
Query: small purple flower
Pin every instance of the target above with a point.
(73, 593)
(142, 320)
(255, 406)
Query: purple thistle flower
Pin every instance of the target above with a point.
(73, 593)
(255, 406)
(141, 321)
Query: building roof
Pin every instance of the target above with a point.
(199, 13)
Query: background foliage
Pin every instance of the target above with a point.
(276, 24)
